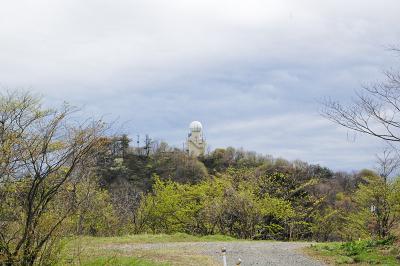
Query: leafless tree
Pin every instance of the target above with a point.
(374, 111)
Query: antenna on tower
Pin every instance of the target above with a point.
(147, 145)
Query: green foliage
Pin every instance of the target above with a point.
(329, 223)
(224, 205)
(95, 215)
(377, 207)
(174, 207)
(371, 210)
(366, 251)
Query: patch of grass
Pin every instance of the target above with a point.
(119, 250)
(150, 238)
(75, 253)
(358, 252)
(122, 261)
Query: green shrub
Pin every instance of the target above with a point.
(344, 260)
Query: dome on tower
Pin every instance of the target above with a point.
(195, 126)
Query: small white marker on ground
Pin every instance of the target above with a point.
(224, 255)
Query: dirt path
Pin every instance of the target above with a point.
(251, 253)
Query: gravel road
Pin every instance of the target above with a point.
(251, 253)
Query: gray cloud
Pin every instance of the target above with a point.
(251, 71)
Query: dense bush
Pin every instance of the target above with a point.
(220, 205)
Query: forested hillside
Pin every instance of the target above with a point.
(234, 192)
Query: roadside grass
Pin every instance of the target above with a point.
(365, 252)
(123, 261)
(150, 238)
(90, 251)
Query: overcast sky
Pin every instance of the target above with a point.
(251, 71)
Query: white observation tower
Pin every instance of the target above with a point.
(195, 142)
